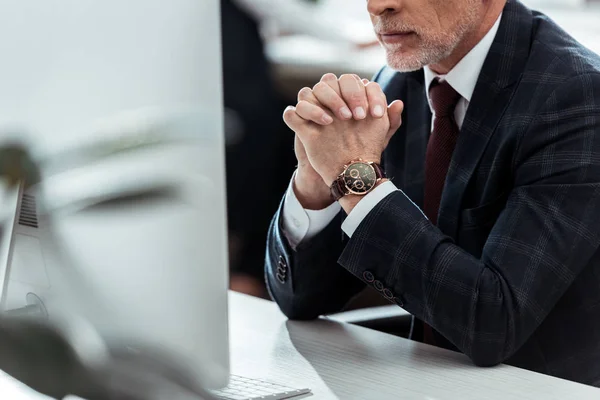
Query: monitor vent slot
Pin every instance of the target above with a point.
(28, 212)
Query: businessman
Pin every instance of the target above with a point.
(472, 200)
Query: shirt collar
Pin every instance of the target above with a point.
(463, 77)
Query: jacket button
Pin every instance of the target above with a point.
(388, 294)
(399, 301)
(282, 263)
(369, 277)
(280, 278)
(281, 270)
(378, 285)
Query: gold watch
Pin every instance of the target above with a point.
(358, 178)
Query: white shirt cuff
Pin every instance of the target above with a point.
(365, 205)
(300, 224)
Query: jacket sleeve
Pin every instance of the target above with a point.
(308, 282)
(545, 236)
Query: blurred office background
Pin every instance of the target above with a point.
(273, 48)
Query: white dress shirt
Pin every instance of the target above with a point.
(300, 17)
(300, 224)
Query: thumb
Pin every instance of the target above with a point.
(395, 115)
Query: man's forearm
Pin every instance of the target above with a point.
(308, 282)
(471, 301)
(427, 256)
(310, 190)
(300, 224)
(358, 207)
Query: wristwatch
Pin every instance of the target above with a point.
(359, 178)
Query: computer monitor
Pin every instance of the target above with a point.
(150, 270)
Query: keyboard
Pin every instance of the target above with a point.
(241, 388)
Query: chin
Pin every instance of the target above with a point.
(404, 62)
(415, 59)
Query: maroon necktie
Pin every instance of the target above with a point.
(439, 154)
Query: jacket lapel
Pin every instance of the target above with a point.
(501, 71)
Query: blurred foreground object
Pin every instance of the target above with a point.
(67, 356)
(126, 228)
(17, 166)
(40, 356)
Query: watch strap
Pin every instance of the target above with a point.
(379, 172)
(338, 189)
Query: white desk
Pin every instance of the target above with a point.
(348, 362)
(305, 59)
(342, 361)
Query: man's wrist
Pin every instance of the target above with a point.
(350, 201)
(333, 175)
(311, 191)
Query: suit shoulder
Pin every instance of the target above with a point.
(557, 53)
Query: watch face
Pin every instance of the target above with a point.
(360, 178)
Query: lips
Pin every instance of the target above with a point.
(396, 37)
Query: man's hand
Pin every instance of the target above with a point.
(309, 187)
(341, 120)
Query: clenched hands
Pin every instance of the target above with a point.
(335, 122)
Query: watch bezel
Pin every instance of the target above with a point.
(350, 190)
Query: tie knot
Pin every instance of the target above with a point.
(443, 98)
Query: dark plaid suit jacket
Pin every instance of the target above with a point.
(512, 271)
